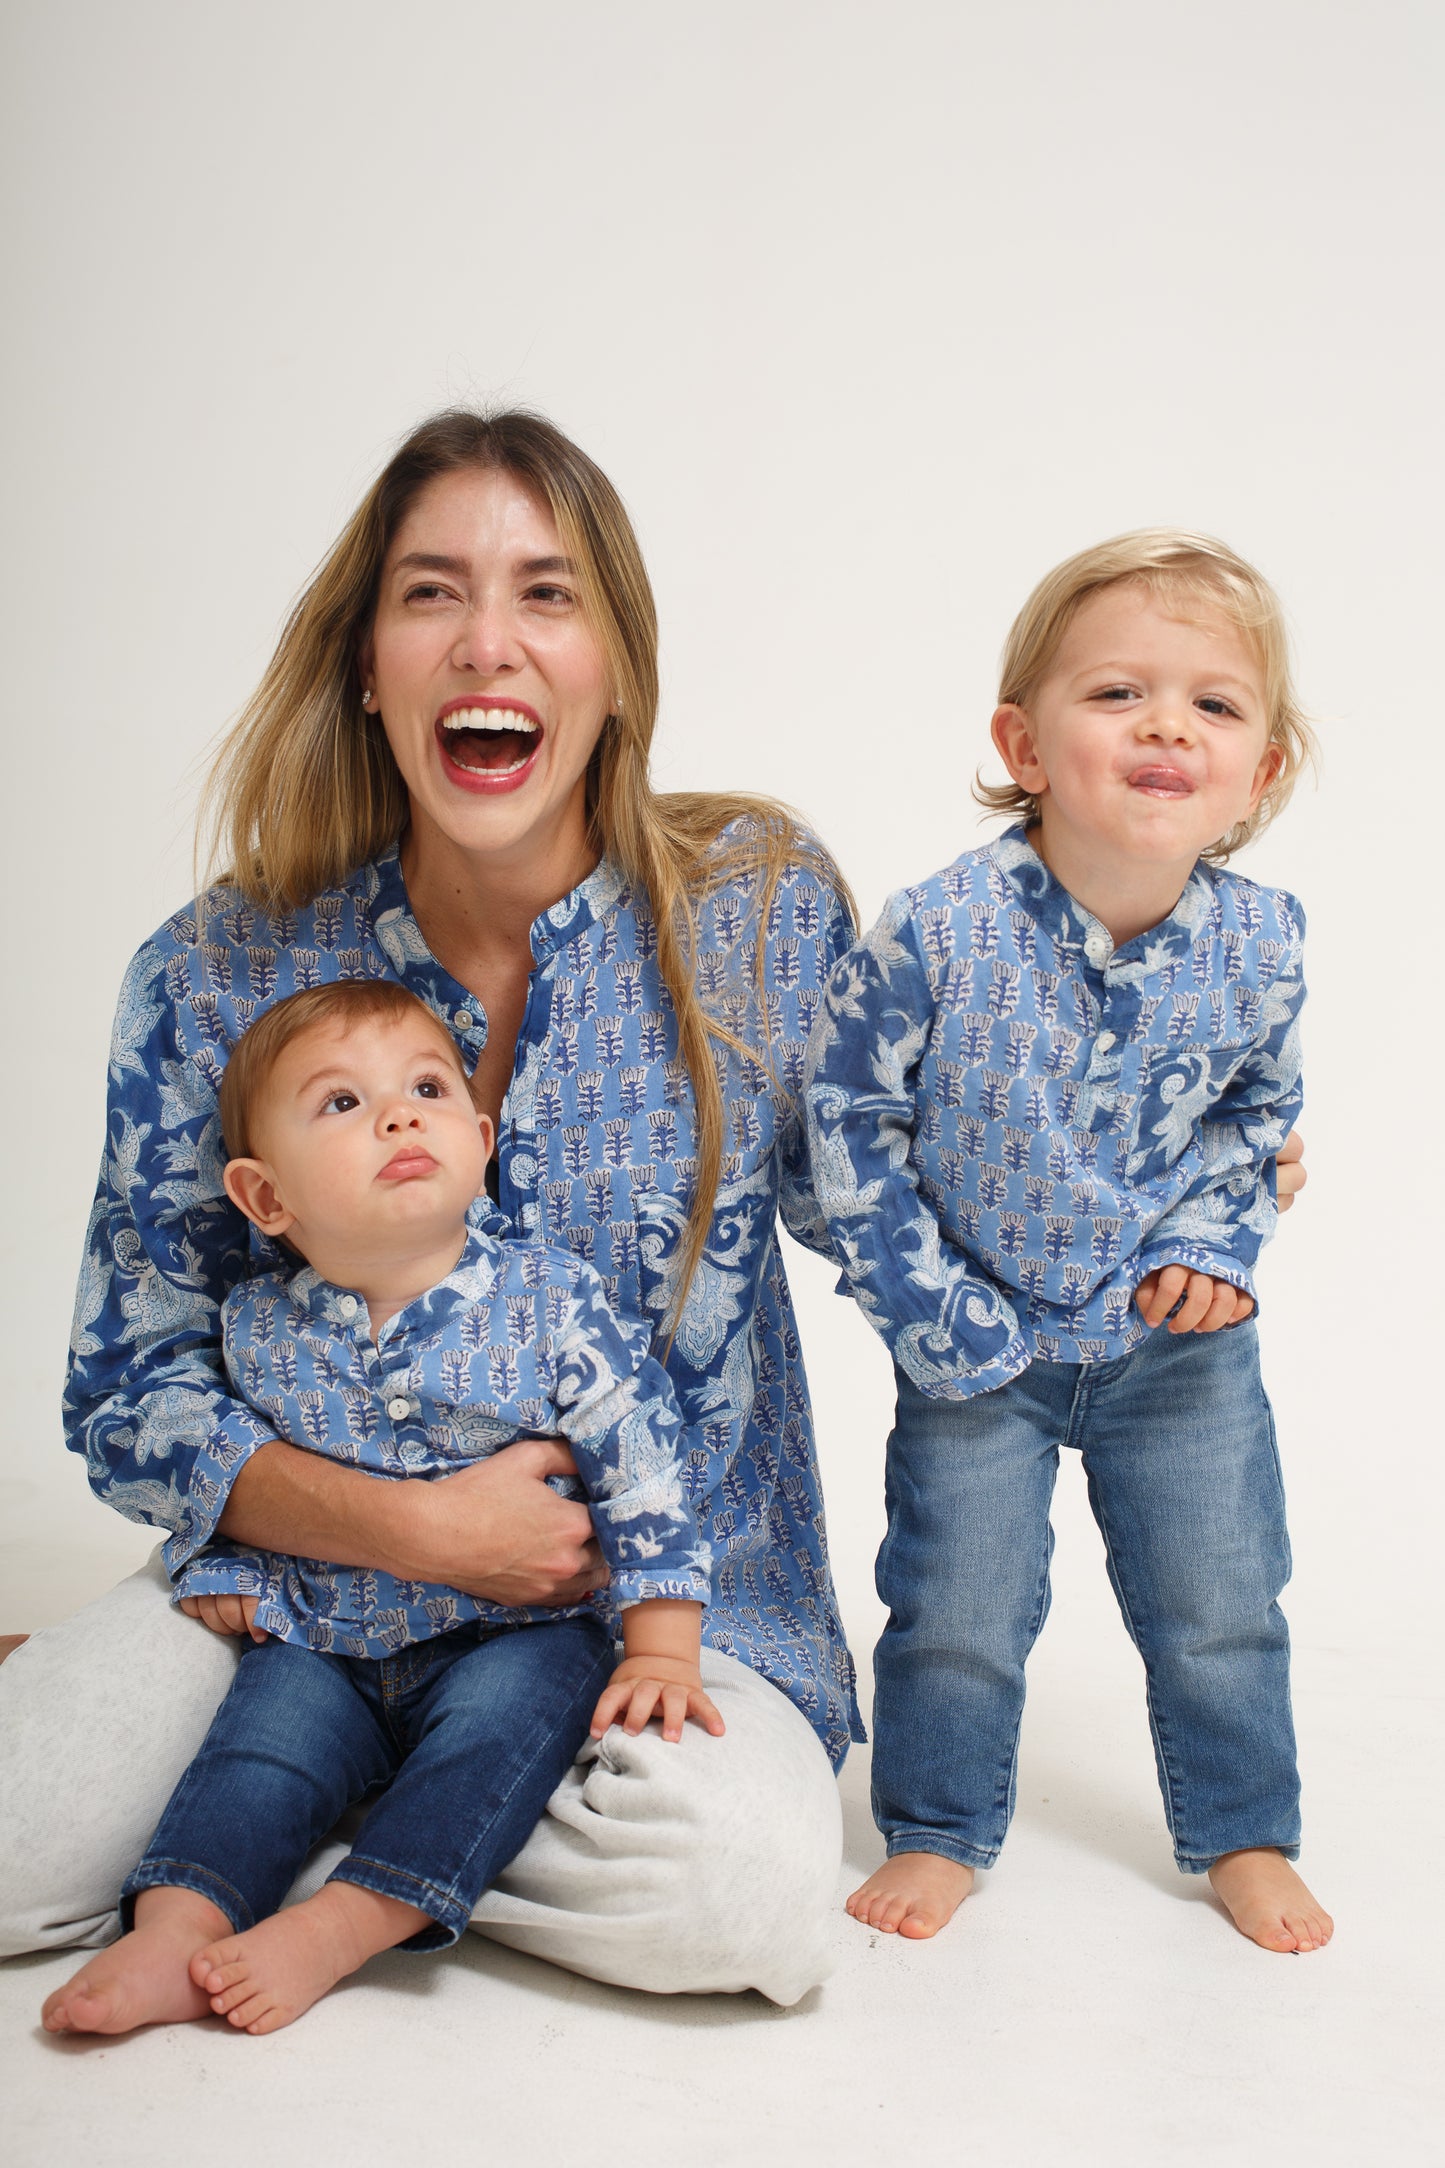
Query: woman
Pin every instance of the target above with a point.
(443, 777)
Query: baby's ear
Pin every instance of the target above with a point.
(251, 1187)
(489, 1138)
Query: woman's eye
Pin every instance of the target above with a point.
(552, 597)
(425, 591)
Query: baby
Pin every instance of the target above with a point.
(1045, 1096)
(409, 1342)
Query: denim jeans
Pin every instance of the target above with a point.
(469, 1734)
(1178, 1446)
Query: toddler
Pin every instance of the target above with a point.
(1045, 1096)
(408, 1342)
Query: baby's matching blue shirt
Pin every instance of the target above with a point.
(517, 1340)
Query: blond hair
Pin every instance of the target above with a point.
(1187, 573)
(305, 789)
(344, 1002)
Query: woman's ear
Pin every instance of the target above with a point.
(1013, 736)
(251, 1187)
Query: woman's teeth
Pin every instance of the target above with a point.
(484, 738)
(489, 719)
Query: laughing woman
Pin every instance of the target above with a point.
(443, 778)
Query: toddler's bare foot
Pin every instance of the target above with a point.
(1268, 1902)
(144, 1978)
(912, 1894)
(265, 1978)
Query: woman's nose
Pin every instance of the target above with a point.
(487, 641)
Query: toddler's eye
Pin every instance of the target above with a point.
(1115, 692)
(1212, 704)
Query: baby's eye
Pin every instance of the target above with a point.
(1115, 692)
(1212, 704)
(430, 1087)
(340, 1102)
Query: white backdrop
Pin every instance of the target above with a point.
(872, 314)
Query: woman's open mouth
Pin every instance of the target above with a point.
(488, 745)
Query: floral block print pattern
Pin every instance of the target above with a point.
(1013, 1122)
(517, 1340)
(595, 1155)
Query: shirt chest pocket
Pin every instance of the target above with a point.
(1175, 1089)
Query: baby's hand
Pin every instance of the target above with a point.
(666, 1686)
(225, 1614)
(1207, 1304)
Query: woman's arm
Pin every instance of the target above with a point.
(494, 1530)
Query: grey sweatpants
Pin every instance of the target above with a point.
(702, 1867)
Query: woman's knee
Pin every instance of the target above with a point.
(101, 1714)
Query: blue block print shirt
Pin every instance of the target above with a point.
(1013, 1122)
(517, 1338)
(595, 1154)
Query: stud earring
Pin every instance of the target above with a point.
(366, 697)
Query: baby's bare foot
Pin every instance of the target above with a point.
(144, 1978)
(267, 1977)
(1268, 1902)
(913, 1894)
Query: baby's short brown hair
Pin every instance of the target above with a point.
(344, 1001)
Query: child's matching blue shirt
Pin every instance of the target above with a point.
(1012, 1122)
(519, 1337)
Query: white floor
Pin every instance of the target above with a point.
(1088, 2006)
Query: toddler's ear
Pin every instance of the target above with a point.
(1013, 735)
(251, 1187)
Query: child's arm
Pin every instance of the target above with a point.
(1202, 1253)
(945, 1322)
(659, 1673)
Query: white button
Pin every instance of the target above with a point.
(463, 1019)
(1104, 1041)
(397, 1408)
(347, 1305)
(1098, 951)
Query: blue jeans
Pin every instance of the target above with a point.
(1178, 1446)
(469, 1734)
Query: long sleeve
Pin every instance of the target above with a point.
(1227, 1214)
(617, 1410)
(946, 1324)
(147, 1402)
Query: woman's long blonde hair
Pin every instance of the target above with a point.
(305, 789)
(1187, 574)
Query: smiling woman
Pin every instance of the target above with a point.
(443, 779)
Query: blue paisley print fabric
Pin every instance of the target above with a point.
(518, 1338)
(594, 1154)
(1013, 1122)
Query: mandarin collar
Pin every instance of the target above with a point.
(1076, 931)
(470, 1278)
(563, 922)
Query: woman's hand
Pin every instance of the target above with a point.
(225, 1614)
(497, 1530)
(493, 1530)
(665, 1686)
(1289, 1170)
